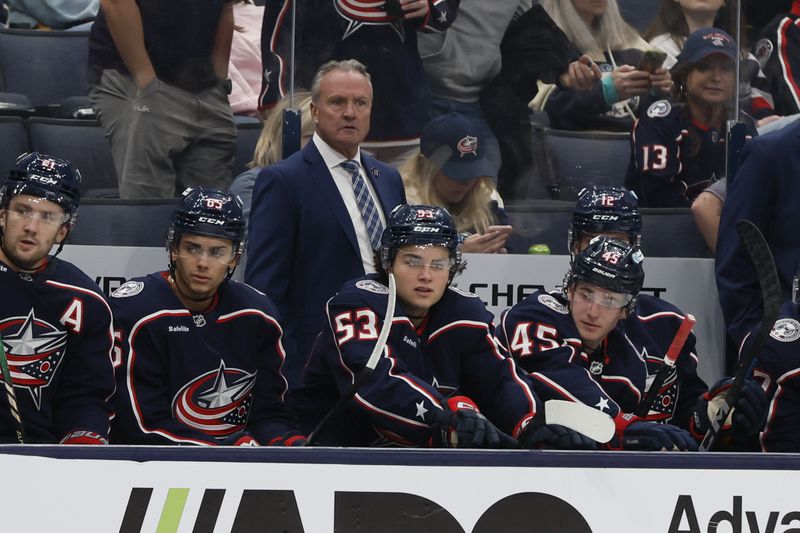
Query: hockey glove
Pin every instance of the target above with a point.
(82, 436)
(463, 426)
(633, 433)
(745, 419)
(240, 438)
(554, 437)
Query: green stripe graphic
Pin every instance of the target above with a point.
(173, 509)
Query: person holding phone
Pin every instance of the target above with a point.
(679, 145)
(451, 171)
(596, 28)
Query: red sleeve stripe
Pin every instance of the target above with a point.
(783, 56)
(409, 382)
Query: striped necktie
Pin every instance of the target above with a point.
(369, 211)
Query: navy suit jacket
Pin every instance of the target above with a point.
(302, 244)
(765, 191)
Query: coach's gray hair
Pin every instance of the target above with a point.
(345, 65)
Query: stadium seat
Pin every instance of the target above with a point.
(116, 222)
(46, 66)
(666, 232)
(248, 129)
(639, 13)
(13, 142)
(83, 142)
(576, 159)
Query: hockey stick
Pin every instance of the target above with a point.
(11, 395)
(593, 423)
(372, 362)
(760, 255)
(670, 358)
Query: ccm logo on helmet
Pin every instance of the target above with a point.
(211, 221)
(426, 229)
(605, 217)
(43, 180)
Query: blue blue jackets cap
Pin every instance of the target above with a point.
(453, 142)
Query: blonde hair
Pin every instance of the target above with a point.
(472, 214)
(610, 32)
(269, 148)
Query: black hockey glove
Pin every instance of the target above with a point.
(745, 419)
(466, 427)
(554, 437)
(633, 433)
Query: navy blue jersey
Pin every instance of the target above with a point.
(56, 329)
(453, 353)
(778, 52)
(778, 370)
(346, 29)
(197, 378)
(674, 159)
(541, 335)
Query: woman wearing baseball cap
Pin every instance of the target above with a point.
(679, 145)
(451, 172)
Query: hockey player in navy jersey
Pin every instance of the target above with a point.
(442, 381)
(777, 367)
(648, 327)
(200, 354)
(54, 322)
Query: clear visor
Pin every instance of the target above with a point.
(602, 297)
(417, 262)
(27, 208)
(223, 253)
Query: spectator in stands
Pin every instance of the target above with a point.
(451, 172)
(244, 68)
(269, 148)
(52, 14)
(707, 208)
(463, 61)
(309, 229)
(679, 149)
(598, 30)
(778, 52)
(678, 19)
(159, 75)
(382, 36)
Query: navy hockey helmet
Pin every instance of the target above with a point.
(208, 212)
(602, 209)
(611, 264)
(46, 177)
(421, 225)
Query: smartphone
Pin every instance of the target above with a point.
(393, 9)
(651, 60)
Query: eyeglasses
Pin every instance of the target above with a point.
(220, 254)
(610, 300)
(417, 263)
(21, 212)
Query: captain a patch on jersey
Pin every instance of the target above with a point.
(129, 288)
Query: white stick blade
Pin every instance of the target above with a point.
(582, 418)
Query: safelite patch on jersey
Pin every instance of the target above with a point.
(551, 302)
(372, 286)
(129, 288)
(785, 330)
(659, 109)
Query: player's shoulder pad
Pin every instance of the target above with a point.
(457, 304)
(371, 285)
(128, 289)
(362, 292)
(66, 272)
(540, 306)
(787, 327)
(462, 292)
(647, 304)
(240, 294)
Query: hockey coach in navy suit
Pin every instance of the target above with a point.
(317, 216)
